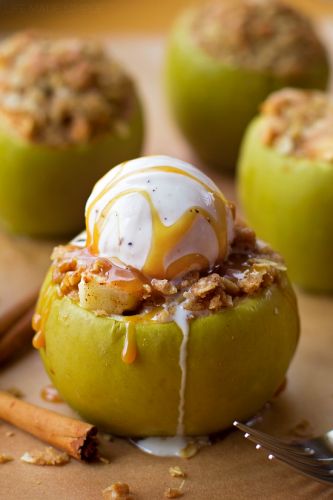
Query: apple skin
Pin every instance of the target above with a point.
(289, 203)
(43, 189)
(213, 102)
(236, 360)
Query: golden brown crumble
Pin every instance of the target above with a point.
(4, 458)
(303, 429)
(10, 434)
(48, 456)
(258, 34)
(251, 266)
(117, 491)
(299, 123)
(62, 91)
(173, 493)
(14, 391)
(164, 286)
(176, 471)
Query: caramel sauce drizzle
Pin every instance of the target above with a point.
(129, 351)
(40, 318)
(164, 238)
(49, 393)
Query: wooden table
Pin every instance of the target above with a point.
(231, 469)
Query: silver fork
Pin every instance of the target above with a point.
(311, 457)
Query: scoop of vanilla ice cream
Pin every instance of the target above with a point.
(159, 215)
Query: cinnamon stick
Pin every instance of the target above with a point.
(77, 438)
(16, 337)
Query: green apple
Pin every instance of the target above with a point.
(289, 203)
(213, 101)
(236, 360)
(43, 189)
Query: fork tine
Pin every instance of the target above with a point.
(270, 440)
(320, 474)
(305, 454)
(275, 447)
(310, 466)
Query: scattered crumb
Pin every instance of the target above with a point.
(117, 491)
(14, 391)
(38, 482)
(106, 436)
(104, 460)
(190, 450)
(302, 430)
(48, 456)
(176, 471)
(5, 458)
(10, 434)
(173, 493)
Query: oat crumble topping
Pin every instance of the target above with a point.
(61, 91)
(299, 123)
(258, 34)
(251, 266)
(48, 456)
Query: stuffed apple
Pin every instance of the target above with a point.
(68, 113)
(286, 182)
(168, 317)
(224, 58)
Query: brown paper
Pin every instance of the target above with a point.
(230, 469)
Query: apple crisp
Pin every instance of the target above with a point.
(299, 123)
(257, 34)
(107, 287)
(61, 91)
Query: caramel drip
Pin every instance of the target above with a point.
(166, 238)
(38, 340)
(36, 322)
(129, 351)
(40, 318)
(49, 393)
(166, 169)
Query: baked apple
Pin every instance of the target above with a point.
(168, 317)
(225, 57)
(286, 182)
(68, 113)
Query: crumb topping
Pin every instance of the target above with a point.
(48, 456)
(258, 34)
(61, 91)
(299, 123)
(101, 286)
